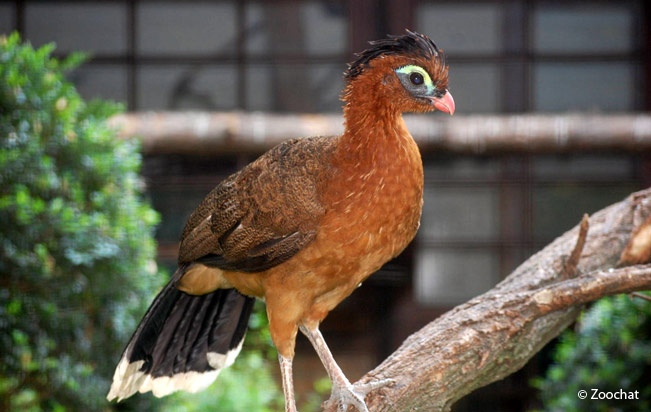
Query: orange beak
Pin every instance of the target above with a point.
(445, 103)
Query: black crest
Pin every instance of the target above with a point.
(411, 43)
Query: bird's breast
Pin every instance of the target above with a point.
(374, 212)
(372, 207)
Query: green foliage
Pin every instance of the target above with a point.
(76, 269)
(76, 244)
(236, 389)
(610, 351)
(312, 401)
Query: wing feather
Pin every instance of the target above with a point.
(264, 214)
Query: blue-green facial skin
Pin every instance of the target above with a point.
(427, 88)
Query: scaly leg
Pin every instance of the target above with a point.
(288, 383)
(343, 392)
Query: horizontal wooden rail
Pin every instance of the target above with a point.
(218, 132)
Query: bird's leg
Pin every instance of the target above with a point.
(288, 382)
(343, 392)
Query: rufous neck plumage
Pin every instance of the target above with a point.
(373, 125)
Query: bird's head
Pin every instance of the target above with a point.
(406, 73)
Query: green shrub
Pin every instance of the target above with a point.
(76, 244)
(610, 351)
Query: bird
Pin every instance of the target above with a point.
(300, 228)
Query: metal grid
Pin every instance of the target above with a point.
(132, 60)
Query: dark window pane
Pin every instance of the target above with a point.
(326, 85)
(585, 167)
(583, 29)
(451, 277)
(6, 18)
(106, 82)
(559, 208)
(186, 28)
(460, 213)
(326, 28)
(462, 28)
(584, 86)
(461, 168)
(175, 206)
(259, 94)
(187, 87)
(97, 28)
(313, 27)
(295, 87)
(476, 87)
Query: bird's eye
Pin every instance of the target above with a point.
(416, 78)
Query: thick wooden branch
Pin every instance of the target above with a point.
(495, 334)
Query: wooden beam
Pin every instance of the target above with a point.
(214, 133)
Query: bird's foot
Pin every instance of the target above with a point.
(346, 394)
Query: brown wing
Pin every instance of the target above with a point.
(264, 214)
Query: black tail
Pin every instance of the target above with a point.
(182, 342)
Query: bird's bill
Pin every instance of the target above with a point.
(444, 104)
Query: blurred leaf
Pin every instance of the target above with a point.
(78, 251)
(609, 351)
(69, 258)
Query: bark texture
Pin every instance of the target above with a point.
(495, 334)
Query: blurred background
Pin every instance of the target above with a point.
(486, 209)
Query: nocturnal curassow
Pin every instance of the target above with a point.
(301, 227)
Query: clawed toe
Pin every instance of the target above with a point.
(353, 395)
(345, 396)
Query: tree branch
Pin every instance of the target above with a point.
(495, 334)
(569, 268)
(640, 295)
(589, 287)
